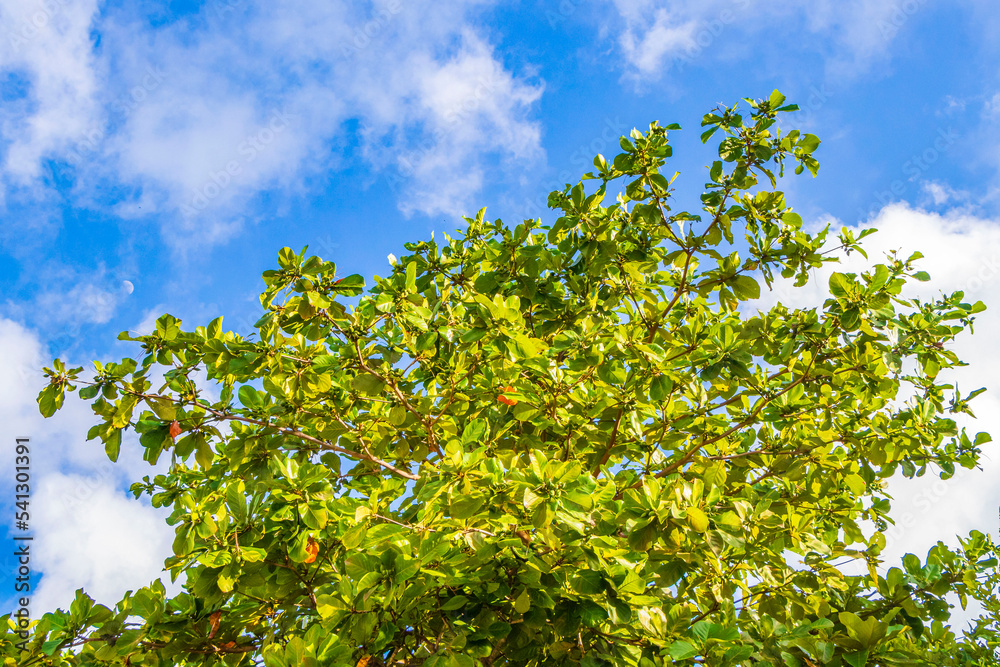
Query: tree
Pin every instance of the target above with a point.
(564, 444)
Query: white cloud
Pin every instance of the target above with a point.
(991, 108)
(48, 42)
(942, 193)
(20, 375)
(961, 252)
(469, 105)
(90, 535)
(939, 193)
(691, 31)
(88, 532)
(83, 303)
(69, 301)
(205, 113)
(669, 36)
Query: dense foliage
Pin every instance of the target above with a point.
(578, 443)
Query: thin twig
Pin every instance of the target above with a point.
(287, 430)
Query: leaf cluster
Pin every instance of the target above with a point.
(573, 443)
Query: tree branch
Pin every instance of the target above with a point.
(287, 430)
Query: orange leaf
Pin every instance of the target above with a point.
(214, 621)
(312, 550)
(175, 429)
(507, 400)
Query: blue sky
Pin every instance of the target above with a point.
(154, 156)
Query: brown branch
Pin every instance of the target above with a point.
(705, 614)
(691, 453)
(729, 457)
(428, 528)
(288, 431)
(428, 427)
(495, 653)
(677, 294)
(367, 456)
(611, 443)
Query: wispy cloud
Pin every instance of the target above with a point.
(68, 301)
(48, 45)
(206, 113)
(78, 496)
(961, 252)
(660, 35)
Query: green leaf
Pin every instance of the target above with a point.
(466, 506)
(214, 328)
(681, 650)
(698, 519)
(660, 387)
(49, 400)
(523, 347)
(113, 443)
(523, 602)
(215, 558)
(745, 288)
(474, 432)
(236, 501)
(840, 285)
(249, 397)
(90, 392)
(352, 284)
(252, 554)
(809, 143)
(411, 276)
(165, 410)
(397, 415)
(367, 384)
(857, 659)
(453, 603)
(325, 361)
(722, 633)
(49, 647)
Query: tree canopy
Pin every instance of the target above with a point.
(581, 442)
